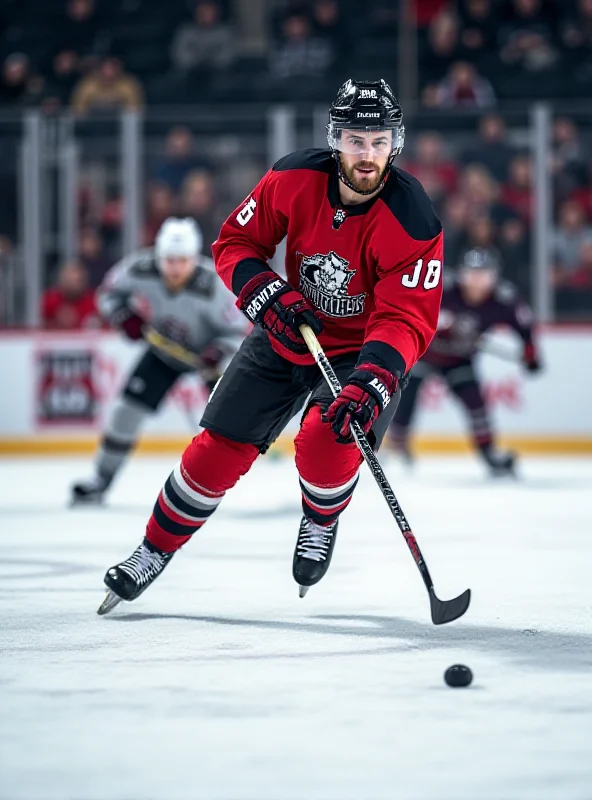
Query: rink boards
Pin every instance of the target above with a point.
(58, 388)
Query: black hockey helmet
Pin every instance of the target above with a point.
(369, 106)
(481, 258)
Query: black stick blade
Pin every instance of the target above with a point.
(448, 610)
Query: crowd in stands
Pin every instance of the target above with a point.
(473, 55)
(484, 195)
(120, 53)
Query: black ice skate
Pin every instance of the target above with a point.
(89, 492)
(127, 580)
(501, 465)
(313, 552)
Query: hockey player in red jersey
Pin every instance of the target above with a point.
(364, 270)
(474, 301)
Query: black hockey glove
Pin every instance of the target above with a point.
(368, 392)
(530, 358)
(272, 303)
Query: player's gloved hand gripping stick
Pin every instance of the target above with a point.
(442, 610)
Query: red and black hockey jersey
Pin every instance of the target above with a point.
(373, 270)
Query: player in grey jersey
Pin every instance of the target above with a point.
(172, 298)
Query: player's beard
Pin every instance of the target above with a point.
(363, 183)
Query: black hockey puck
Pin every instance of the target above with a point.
(458, 675)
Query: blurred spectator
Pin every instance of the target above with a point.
(328, 23)
(492, 149)
(64, 76)
(527, 35)
(380, 16)
(207, 43)
(179, 159)
(583, 197)
(160, 204)
(16, 71)
(107, 88)
(463, 87)
(71, 303)
(581, 278)
(431, 167)
(80, 31)
(568, 162)
(480, 191)
(455, 217)
(198, 200)
(568, 237)
(442, 47)
(478, 24)
(517, 194)
(481, 232)
(92, 255)
(300, 53)
(426, 10)
(5, 246)
(577, 29)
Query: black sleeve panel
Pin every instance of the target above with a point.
(383, 355)
(245, 270)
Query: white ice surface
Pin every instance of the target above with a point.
(219, 683)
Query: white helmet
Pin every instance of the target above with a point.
(178, 238)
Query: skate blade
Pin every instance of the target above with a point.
(302, 590)
(111, 600)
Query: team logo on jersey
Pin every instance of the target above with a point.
(324, 280)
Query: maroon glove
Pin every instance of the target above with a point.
(367, 394)
(530, 358)
(268, 300)
(127, 321)
(211, 355)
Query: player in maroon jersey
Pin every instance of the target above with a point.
(472, 303)
(363, 269)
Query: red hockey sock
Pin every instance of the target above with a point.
(210, 466)
(328, 470)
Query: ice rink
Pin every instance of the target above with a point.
(219, 683)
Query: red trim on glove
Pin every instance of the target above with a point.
(384, 376)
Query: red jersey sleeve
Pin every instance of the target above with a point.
(407, 299)
(249, 236)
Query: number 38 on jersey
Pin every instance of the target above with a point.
(431, 275)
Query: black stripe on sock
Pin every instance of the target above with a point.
(116, 446)
(316, 516)
(169, 525)
(328, 501)
(183, 505)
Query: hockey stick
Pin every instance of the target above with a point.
(175, 350)
(442, 610)
(171, 348)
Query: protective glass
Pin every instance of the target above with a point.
(378, 142)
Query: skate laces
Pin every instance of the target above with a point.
(314, 540)
(144, 564)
